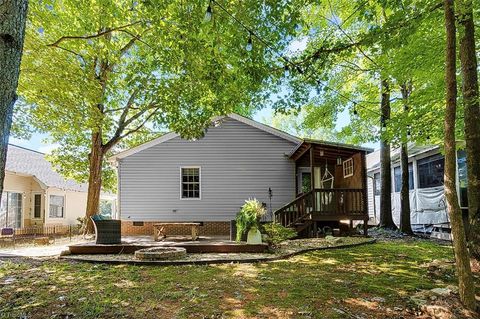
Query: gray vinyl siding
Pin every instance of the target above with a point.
(237, 162)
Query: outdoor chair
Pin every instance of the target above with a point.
(7, 234)
(107, 231)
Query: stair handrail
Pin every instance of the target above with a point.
(278, 211)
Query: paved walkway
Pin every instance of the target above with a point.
(30, 250)
(61, 244)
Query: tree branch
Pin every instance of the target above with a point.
(71, 51)
(122, 124)
(366, 38)
(85, 37)
(135, 38)
(141, 125)
(115, 139)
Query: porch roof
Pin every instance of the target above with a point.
(326, 150)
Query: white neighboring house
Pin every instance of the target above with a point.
(35, 195)
(427, 200)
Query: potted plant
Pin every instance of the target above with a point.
(248, 220)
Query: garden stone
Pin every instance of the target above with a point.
(378, 299)
(418, 301)
(333, 240)
(9, 280)
(454, 289)
(65, 252)
(160, 253)
(441, 291)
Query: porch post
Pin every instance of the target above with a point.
(312, 176)
(295, 176)
(364, 193)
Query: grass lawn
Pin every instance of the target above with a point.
(372, 281)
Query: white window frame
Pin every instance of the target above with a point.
(64, 206)
(199, 183)
(42, 203)
(347, 166)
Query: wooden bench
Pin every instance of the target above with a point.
(159, 229)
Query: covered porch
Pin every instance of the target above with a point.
(331, 186)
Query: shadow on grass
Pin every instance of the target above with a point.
(324, 284)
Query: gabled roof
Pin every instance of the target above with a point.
(233, 116)
(24, 161)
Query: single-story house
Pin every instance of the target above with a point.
(427, 200)
(35, 195)
(301, 182)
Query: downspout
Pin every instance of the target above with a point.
(374, 208)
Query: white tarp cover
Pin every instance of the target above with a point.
(427, 207)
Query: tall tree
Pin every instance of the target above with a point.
(405, 222)
(468, 60)
(99, 75)
(13, 14)
(386, 218)
(462, 256)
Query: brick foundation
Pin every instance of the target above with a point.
(208, 229)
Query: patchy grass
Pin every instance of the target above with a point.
(372, 281)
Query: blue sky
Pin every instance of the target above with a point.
(37, 140)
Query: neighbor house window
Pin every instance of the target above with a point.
(37, 206)
(348, 167)
(190, 182)
(397, 172)
(430, 171)
(11, 210)
(57, 206)
(376, 184)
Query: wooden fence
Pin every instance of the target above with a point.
(48, 231)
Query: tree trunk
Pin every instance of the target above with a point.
(405, 223)
(386, 220)
(13, 15)
(468, 61)
(95, 178)
(462, 258)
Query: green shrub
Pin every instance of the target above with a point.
(249, 216)
(276, 233)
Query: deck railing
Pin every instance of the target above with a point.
(341, 202)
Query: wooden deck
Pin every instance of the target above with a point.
(129, 246)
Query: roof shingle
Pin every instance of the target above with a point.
(24, 161)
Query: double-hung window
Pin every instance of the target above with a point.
(57, 206)
(190, 182)
(348, 167)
